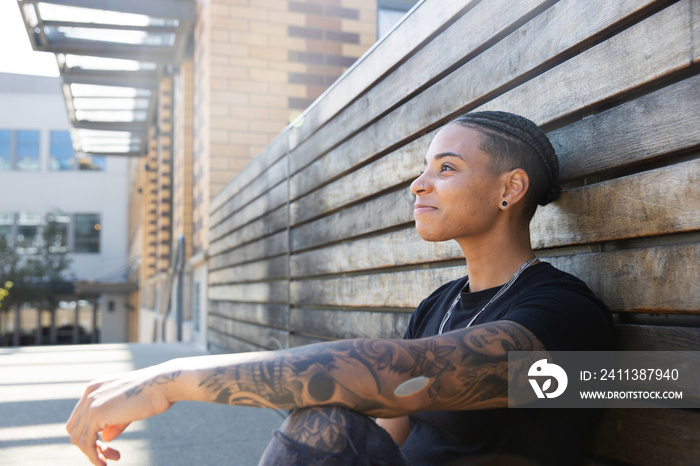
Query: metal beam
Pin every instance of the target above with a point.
(148, 53)
(117, 154)
(138, 79)
(174, 9)
(75, 24)
(131, 127)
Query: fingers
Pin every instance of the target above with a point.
(112, 432)
(108, 453)
(83, 432)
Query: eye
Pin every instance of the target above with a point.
(446, 167)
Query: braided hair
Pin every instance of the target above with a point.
(513, 142)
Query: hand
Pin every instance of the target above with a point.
(109, 405)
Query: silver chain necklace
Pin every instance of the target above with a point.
(503, 289)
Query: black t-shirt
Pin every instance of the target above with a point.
(565, 315)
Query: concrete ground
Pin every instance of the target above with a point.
(40, 385)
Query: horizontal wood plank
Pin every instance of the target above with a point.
(268, 246)
(273, 177)
(656, 47)
(230, 344)
(654, 280)
(257, 167)
(397, 248)
(268, 269)
(489, 71)
(261, 314)
(273, 198)
(419, 26)
(629, 337)
(385, 173)
(264, 292)
(432, 60)
(386, 211)
(648, 437)
(264, 337)
(383, 290)
(272, 223)
(653, 203)
(349, 324)
(643, 129)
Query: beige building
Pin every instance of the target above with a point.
(217, 80)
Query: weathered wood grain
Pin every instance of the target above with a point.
(656, 47)
(272, 199)
(272, 178)
(652, 203)
(490, 73)
(260, 164)
(272, 223)
(391, 170)
(661, 279)
(430, 61)
(264, 292)
(268, 269)
(349, 324)
(419, 26)
(386, 211)
(404, 289)
(227, 343)
(634, 132)
(301, 340)
(630, 337)
(648, 437)
(401, 247)
(271, 315)
(652, 280)
(265, 337)
(269, 246)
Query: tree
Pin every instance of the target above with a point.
(34, 278)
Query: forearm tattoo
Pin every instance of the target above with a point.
(463, 369)
(158, 380)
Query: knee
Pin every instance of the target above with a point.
(322, 427)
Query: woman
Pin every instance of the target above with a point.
(442, 391)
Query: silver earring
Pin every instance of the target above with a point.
(504, 203)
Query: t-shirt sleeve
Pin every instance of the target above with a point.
(567, 318)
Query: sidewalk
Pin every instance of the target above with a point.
(40, 385)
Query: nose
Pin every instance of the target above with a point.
(421, 185)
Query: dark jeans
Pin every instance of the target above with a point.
(331, 436)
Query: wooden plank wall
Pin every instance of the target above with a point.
(314, 240)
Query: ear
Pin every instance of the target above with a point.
(515, 185)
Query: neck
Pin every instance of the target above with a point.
(492, 264)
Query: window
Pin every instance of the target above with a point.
(86, 237)
(58, 226)
(27, 150)
(28, 237)
(389, 12)
(61, 152)
(19, 150)
(6, 223)
(5, 150)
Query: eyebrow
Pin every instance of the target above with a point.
(442, 155)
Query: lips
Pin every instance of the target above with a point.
(419, 209)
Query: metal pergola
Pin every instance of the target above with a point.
(111, 55)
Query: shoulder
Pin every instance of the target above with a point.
(561, 310)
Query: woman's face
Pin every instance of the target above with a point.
(457, 196)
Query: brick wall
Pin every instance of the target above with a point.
(258, 65)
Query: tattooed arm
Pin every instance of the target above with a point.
(463, 369)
